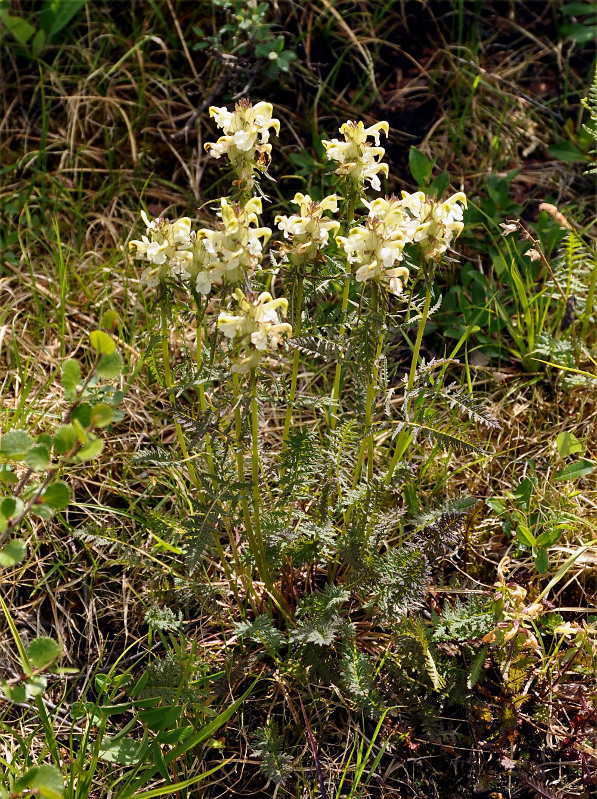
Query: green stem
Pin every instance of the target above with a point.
(295, 360)
(255, 479)
(168, 381)
(405, 436)
(590, 300)
(334, 410)
(367, 442)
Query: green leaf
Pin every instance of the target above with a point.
(110, 319)
(37, 458)
(549, 537)
(42, 651)
(36, 685)
(57, 495)
(124, 751)
(109, 366)
(577, 9)
(13, 552)
(71, 374)
(525, 536)
(101, 414)
(82, 414)
(7, 476)
(56, 14)
(17, 27)
(568, 152)
(420, 166)
(65, 439)
(568, 444)
(575, 470)
(90, 450)
(157, 718)
(44, 780)
(37, 43)
(542, 561)
(11, 506)
(16, 693)
(439, 184)
(15, 444)
(102, 342)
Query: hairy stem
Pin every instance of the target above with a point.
(295, 359)
(405, 436)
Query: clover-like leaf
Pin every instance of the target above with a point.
(15, 444)
(43, 651)
(102, 342)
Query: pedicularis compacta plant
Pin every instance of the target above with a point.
(317, 520)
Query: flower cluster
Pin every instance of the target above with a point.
(246, 137)
(436, 224)
(255, 328)
(308, 230)
(357, 159)
(377, 245)
(169, 247)
(235, 250)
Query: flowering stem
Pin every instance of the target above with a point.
(367, 442)
(338, 374)
(255, 479)
(295, 359)
(405, 436)
(168, 382)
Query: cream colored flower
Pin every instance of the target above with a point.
(377, 246)
(308, 230)
(246, 137)
(358, 159)
(255, 328)
(168, 247)
(235, 250)
(435, 224)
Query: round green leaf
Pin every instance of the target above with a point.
(90, 450)
(82, 414)
(102, 342)
(65, 439)
(37, 458)
(15, 444)
(36, 685)
(7, 476)
(109, 366)
(568, 444)
(13, 552)
(101, 414)
(46, 780)
(43, 651)
(11, 506)
(110, 319)
(16, 693)
(71, 374)
(57, 495)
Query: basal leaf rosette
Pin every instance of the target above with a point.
(255, 328)
(376, 246)
(436, 224)
(235, 250)
(308, 231)
(246, 138)
(169, 247)
(358, 159)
